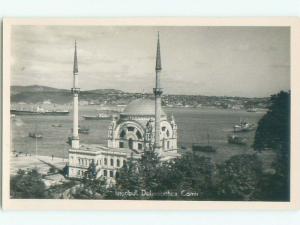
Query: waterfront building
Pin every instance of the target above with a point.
(142, 126)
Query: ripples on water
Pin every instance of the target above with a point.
(194, 125)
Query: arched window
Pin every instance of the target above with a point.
(130, 143)
(105, 173)
(168, 133)
(139, 135)
(111, 162)
(105, 161)
(140, 146)
(111, 173)
(118, 163)
(130, 128)
(122, 134)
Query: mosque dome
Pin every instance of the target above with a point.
(141, 107)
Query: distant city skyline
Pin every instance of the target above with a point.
(213, 61)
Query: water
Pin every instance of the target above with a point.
(194, 126)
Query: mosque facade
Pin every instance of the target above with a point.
(142, 126)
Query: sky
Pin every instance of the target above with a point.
(231, 61)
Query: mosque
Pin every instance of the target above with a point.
(142, 126)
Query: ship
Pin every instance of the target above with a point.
(203, 148)
(57, 125)
(100, 116)
(234, 139)
(243, 126)
(82, 130)
(35, 135)
(39, 111)
(251, 110)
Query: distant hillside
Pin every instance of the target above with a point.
(105, 91)
(36, 94)
(34, 88)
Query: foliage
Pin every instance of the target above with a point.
(273, 129)
(273, 132)
(189, 174)
(27, 185)
(239, 177)
(128, 177)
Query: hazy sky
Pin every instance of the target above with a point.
(235, 61)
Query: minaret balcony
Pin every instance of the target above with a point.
(75, 90)
(157, 91)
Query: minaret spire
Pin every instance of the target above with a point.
(75, 91)
(157, 92)
(158, 59)
(75, 67)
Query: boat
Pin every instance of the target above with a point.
(203, 148)
(251, 110)
(83, 130)
(99, 116)
(39, 111)
(69, 141)
(57, 125)
(234, 139)
(243, 126)
(35, 135)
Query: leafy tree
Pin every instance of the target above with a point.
(239, 177)
(28, 185)
(95, 188)
(190, 173)
(273, 132)
(149, 166)
(128, 177)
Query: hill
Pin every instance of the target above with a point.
(37, 94)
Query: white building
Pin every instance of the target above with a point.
(142, 126)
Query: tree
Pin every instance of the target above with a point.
(239, 177)
(273, 132)
(28, 185)
(149, 166)
(128, 177)
(192, 173)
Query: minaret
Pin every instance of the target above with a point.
(75, 91)
(157, 93)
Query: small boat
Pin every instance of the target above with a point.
(234, 139)
(99, 116)
(252, 110)
(203, 148)
(83, 130)
(69, 141)
(35, 135)
(243, 126)
(57, 125)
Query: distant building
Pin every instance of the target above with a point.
(142, 126)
